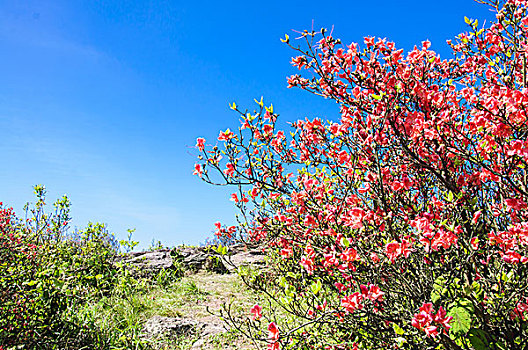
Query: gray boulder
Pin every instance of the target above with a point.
(157, 259)
(161, 326)
(172, 327)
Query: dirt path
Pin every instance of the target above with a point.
(218, 290)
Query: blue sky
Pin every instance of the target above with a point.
(103, 100)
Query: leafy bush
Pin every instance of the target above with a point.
(18, 260)
(47, 275)
(405, 223)
(62, 290)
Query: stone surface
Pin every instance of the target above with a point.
(193, 259)
(157, 259)
(172, 327)
(161, 326)
(240, 256)
(207, 331)
(196, 261)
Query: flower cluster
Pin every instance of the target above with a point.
(428, 321)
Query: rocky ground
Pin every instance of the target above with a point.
(210, 280)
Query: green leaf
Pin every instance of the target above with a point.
(220, 249)
(398, 329)
(478, 340)
(289, 290)
(316, 287)
(467, 20)
(439, 289)
(282, 281)
(500, 346)
(467, 304)
(376, 97)
(285, 300)
(261, 102)
(506, 277)
(477, 291)
(461, 322)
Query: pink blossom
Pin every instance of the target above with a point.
(256, 311)
(200, 143)
(198, 170)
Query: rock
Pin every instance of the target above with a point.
(211, 329)
(205, 261)
(172, 327)
(184, 251)
(158, 259)
(200, 258)
(196, 261)
(144, 263)
(240, 256)
(160, 326)
(193, 259)
(207, 331)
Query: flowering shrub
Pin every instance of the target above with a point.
(45, 275)
(17, 256)
(405, 223)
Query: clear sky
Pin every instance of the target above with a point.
(102, 100)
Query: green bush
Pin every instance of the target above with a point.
(46, 274)
(62, 290)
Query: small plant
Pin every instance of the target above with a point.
(191, 289)
(128, 244)
(156, 245)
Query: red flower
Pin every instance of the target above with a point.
(474, 242)
(515, 204)
(225, 135)
(352, 302)
(198, 170)
(476, 217)
(426, 317)
(200, 143)
(393, 251)
(273, 336)
(256, 311)
(230, 170)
